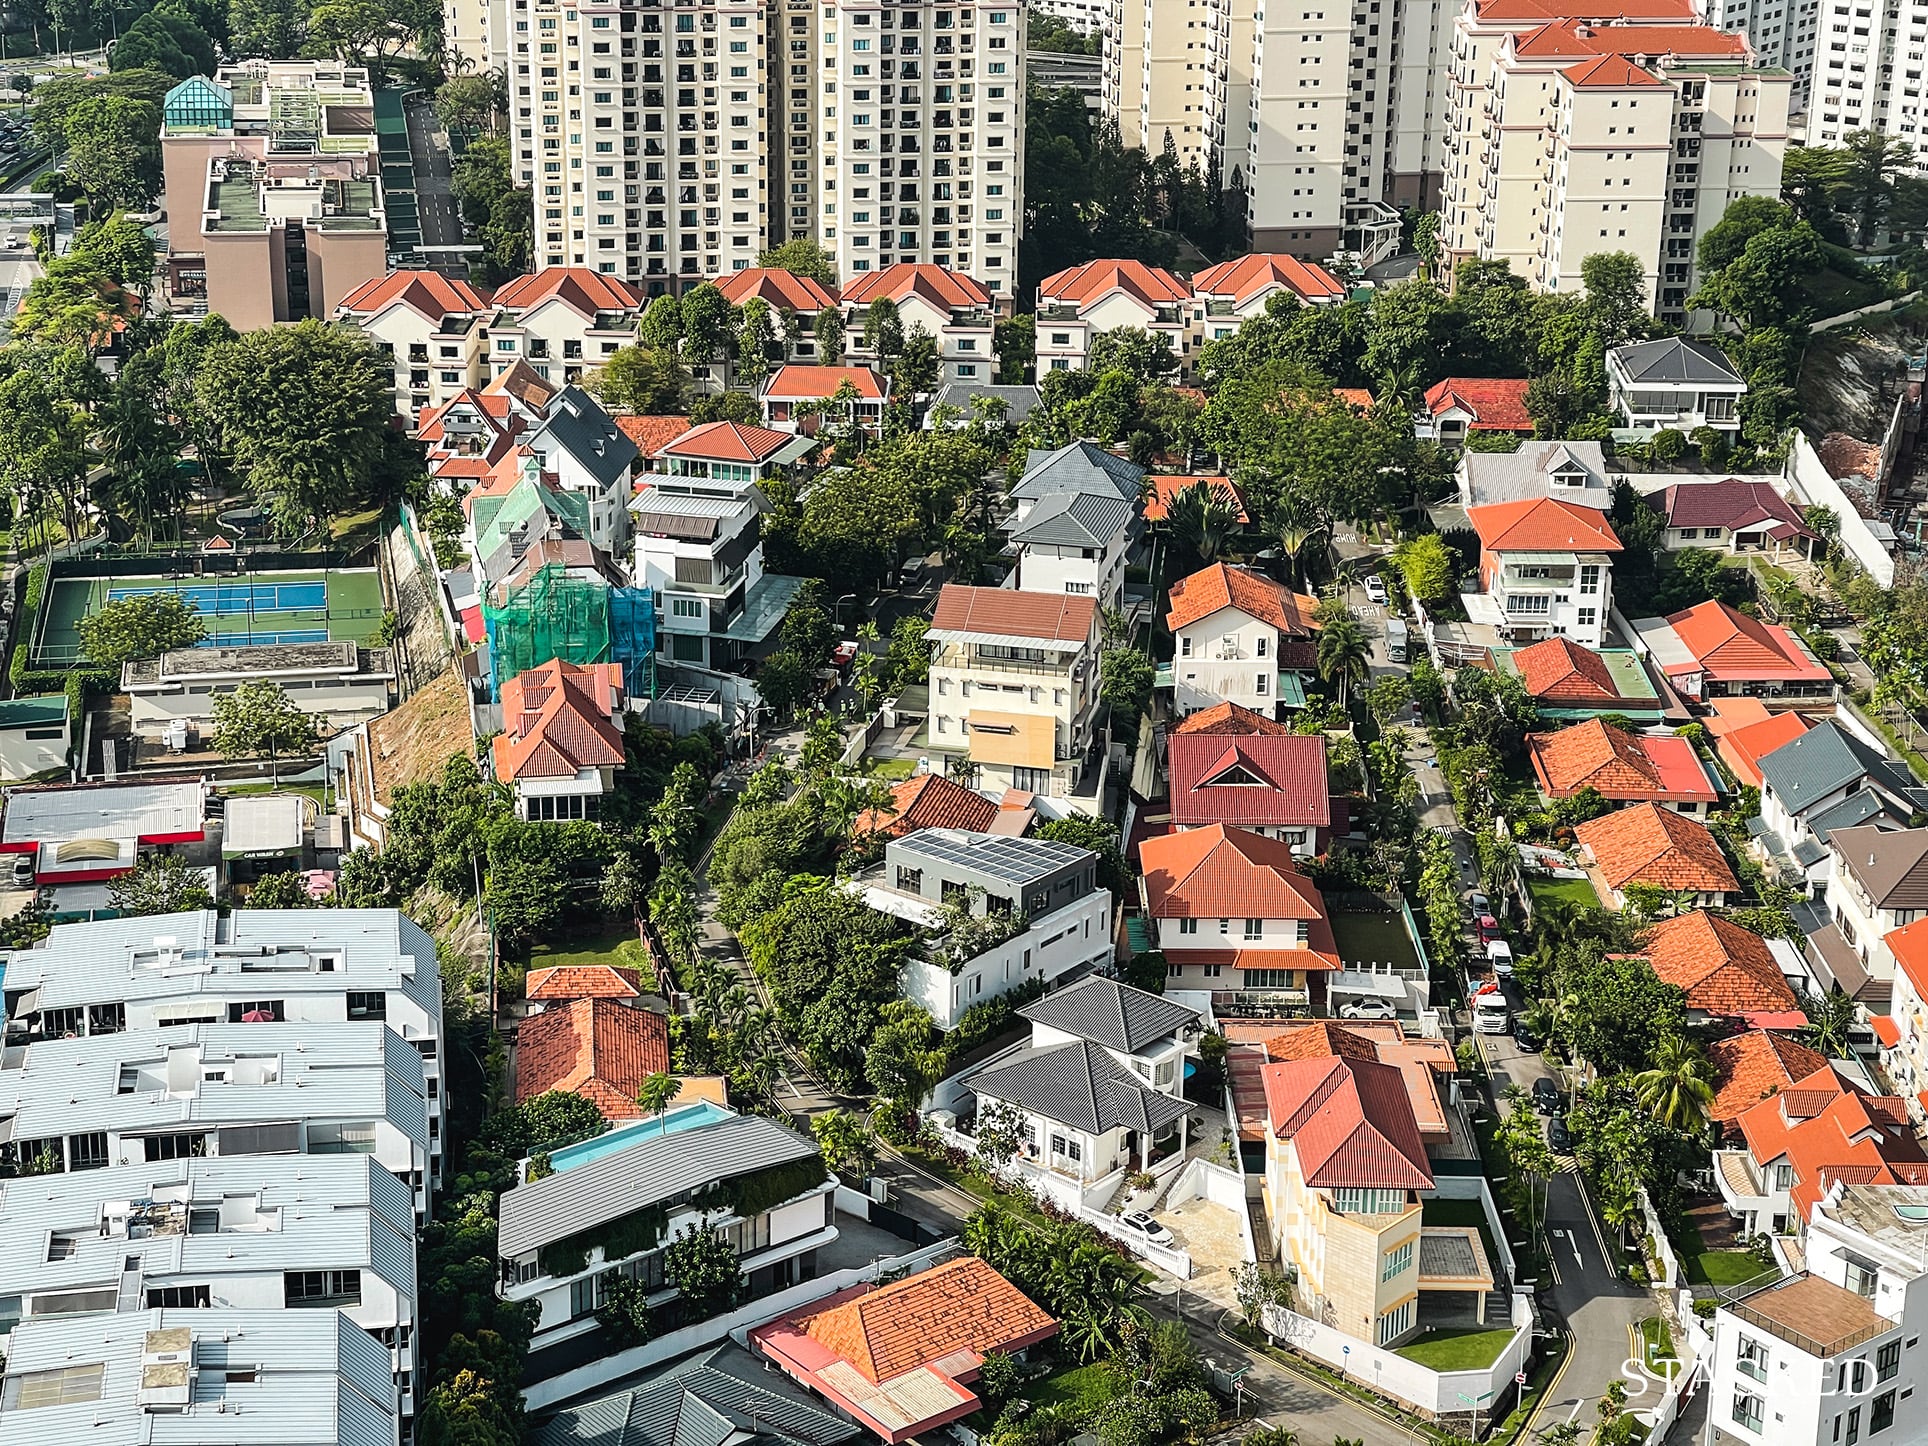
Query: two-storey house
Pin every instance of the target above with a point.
(1232, 912)
(1074, 519)
(1674, 382)
(1713, 651)
(1725, 971)
(562, 739)
(825, 400)
(580, 446)
(1229, 765)
(1645, 844)
(1099, 1086)
(1014, 685)
(1238, 637)
(1546, 569)
(998, 913)
(1902, 1033)
(1876, 883)
(1082, 302)
(433, 327)
(957, 313)
(1623, 767)
(563, 321)
(795, 303)
(1828, 779)
(1226, 296)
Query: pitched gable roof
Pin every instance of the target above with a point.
(428, 294)
(1261, 780)
(1618, 765)
(1721, 967)
(962, 1306)
(1824, 1125)
(581, 289)
(1559, 670)
(1495, 404)
(1614, 72)
(1826, 759)
(814, 383)
(1321, 1039)
(943, 288)
(781, 289)
(1229, 720)
(1542, 524)
(1164, 486)
(1726, 643)
(929, 800)
(1001, 612)
(582, 981)
(1732, 504)
(1152, 285)
(1247, 276)
(727, 442)
(652, 433)
(1647, 844)
(1350, 1123)
(1252, 593)
(600, 1049)
(1106, 1012)
(1751, 1066)
(1219, 873)
(1909, 945)
(556, 721)
(1891, 864)
(1743, 748)
(1078, 467)
(1075, 519)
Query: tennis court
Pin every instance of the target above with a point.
(336, 605)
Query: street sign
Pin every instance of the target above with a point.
(1519, 1378)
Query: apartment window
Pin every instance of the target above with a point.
(1747, 1411)
(584, 1296)
(1261, 685)
(321, 1287)
(1887, 1362)
(177, 1297)
(1255, 928)
(1590, 578)
(1882, 1414)
(87, 1152)
(685, 607)
(176, 1147)
(911, 881)
(1397, 1261)
(273, 1008)
(1395, 1322)
(372, 1005)
(1363, 1200)
(1269, 979)
(1031, 780)
(1751, 1359)
(1188, 926)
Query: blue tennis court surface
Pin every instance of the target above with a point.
(220, 599)
(259, 638)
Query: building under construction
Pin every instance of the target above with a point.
(564, 613)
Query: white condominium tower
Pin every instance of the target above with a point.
(921, 136)
(1866, 70)
(640, 128)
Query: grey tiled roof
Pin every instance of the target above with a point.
(1077, 1085)
(1866, 806)
(1675, 359)
(1019, 401)
(1824, 760)
(586, 432)
(1076, 519)
(1080, 467)
(1525, 474)
(717, 1396)
(1109, 1013)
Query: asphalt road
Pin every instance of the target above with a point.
(434, 201)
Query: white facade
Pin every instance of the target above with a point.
(435, 357)
(1141, 298)
(1552, 594)
(1680, 405)
(921, 132)
(1025, 721)
(35, 737)
(1865, 72)
(1782, 33)
(963, 335)
(1864, 924)
(1906, 1060)
(556, 334)
(1083, 571)
(340, 684)
(1226, 657)
(1076, 937)
(1122, 82)
(587, 454)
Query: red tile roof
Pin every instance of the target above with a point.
(519, 380)
(583, 290)
(1618, 765)
(1495, 404)
(727, 442)
(1577, 38)
(1647, 844)
(1609, 72)
(1359, 397)
(555, 721)
(1007, 613)
(600, 1049)
(1252, 593)
(427, 293)
(1721, 967)
(944, 289)
(1350, 1123)
(1152, 285)
(781, 289)
(1225, 873)
(1743, 748)
(1164, 486)
(1749, 1067)
(582, 981)
(1826, 1127)
(1542, 524)
(1728, 644)
(929, 800)
(961, 1306)
(1321, 957)
(1229, 720)
(1249, 275)
(1261, 781)
(1910, 947)
(1732, 504)
(652, 434)
(1321, 1039)
(1559, 670)
(810, 384)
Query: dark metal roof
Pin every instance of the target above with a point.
(588, 434)
(1079, 1085)
(1824, 760)
(1675, 359)
(1015, 860)
(1109, 1013)
(1076, 519)
(1080, 467)
(717, 1396)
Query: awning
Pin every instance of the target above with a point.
(764, 608)
(1292, 690)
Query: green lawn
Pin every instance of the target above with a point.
(1457, 1349)
(1373, 939)
(1720, 1268)
(1563, 891)
(1083, 1388)
(1657, 1339)
(892, 770)
(616, 944)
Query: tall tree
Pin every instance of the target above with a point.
(259, 718)
(756, 340)
(1677, 1087)
(802, 256)
(883, 331)
(114, 150)
(275, 29)
(1874, 162)
(709, 322)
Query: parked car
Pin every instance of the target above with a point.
(1490, 1012)
(1489, 928)
(23, 870)
(1499, 958)
(1546, 1095)
(1558, 1137)
(1139, 1223)
(1376, 588)
(1368, 1009)
(1527, 1039)
(1479, 903)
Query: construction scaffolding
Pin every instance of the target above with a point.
(559, 614)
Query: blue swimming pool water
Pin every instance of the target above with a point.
(687, 1117)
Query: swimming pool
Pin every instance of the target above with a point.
(685, 1117)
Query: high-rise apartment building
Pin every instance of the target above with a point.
(1782, 33)
(1864, 70)
(641, 131)
(793, 119)
(1121, 94)
(921, 136)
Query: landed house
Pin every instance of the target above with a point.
(929, 800)
(958, 313)
(561, 983)
(1751, 1066)
(956, 405)
(1081, 302)
(1645, 844)
(340, 684)
(1712, 651)
(1232, 913)
(1574, 472)
(1569, 681)
(1724, 970)
(900, 1359)
(1546, 569)
(1902, 1032)
(1674, 382)
(36, 735)
(1099, 1087)
(1876, 883)
(1074, 468)
(601, 1049)
(1014, 686)
(1731, 516)
(610, 1205)
(562, 738)
(582, 449)
(1074, 518)
(699, 541)
(1001, 912)
(1828, 779)
(563, 321)
(795, 303)
(1459, 406)
(1226, 296)
(1745, 732)
(434, 329)
(1623, 767)
(824, 400)
(1238, 637)
(1229, 765)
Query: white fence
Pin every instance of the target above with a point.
(1662, 1248)
(1816, 484)
(1862, 312)
(1474, 1187)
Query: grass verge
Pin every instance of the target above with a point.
(616, 944)
(1721, 1268)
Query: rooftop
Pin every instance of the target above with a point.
(1078, 467)
(996, 614)
(1647, 844)
(1112, 1014)
(1542, 524)
(1619, 765)
(1559, 671)
(1262, 780)
(1813, 1315)
(1252, 593)
(168, 812)
(1726, 644)
(556, 721)
(1350, 1122)
(1493, 404)
(1247, 276)
(1751, 1066)
(929, 800)
(1675, 360)
(1220, 872)
(602, 1049)
(1079, 1084)
(1722, 968)
(1826, 759)
(1165, 487)
(1528, 472)
(1151, 285)
(1019, 861)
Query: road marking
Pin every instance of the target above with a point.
(1576, 1408)
(1573, 1239)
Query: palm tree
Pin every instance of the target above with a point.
(1620, 1210)
(1830, 1017)
(1344, 650)
(1677, 1087)
(656, 1092)
(1295, 522)
(1203, 517)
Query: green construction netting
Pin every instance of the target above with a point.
(557, 614)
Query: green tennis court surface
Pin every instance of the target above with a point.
(338, 605)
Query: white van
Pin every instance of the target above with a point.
(1490, 1014)
(1499, 958)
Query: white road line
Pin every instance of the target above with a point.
(1573, 1239)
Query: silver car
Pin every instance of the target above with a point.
(1140, 1223)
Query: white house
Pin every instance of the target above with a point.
(433, 327)
(1081, 303)
(1074, 519)
(957, 312)
(563, 321)
(1824, 780)
(1546, 570)
(582, 448)
(36, 734)
(1002, 912)
(1674, 382)
(339, 684)
(1226, 296)
(1902, 1032)
(1238, 637)
(1876, 883)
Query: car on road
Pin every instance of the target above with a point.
(1499, 958)
(1479, 903)
(1558, 1136)
(1140, 1223)
(1489, 928)
(1546, 1095)
(845, 653)
(1376, 588)
(1368, 1009)
(1527, 1039)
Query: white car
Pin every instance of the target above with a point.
(1368, 1009)
(1499, 957)
(1139, 1223)
(1376, 589)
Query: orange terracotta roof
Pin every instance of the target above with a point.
(1910, 947)
(1729, 644)
(1742, 749)
(1540, 11)
(1577, 38)
(1350, 1123)
(555, 721)
(1542, 524)
(1320, 958)
(781, 289)
(1225, 873)
(1749, 1067)
(1609, 72)
(1252, 593)
(1494, 404)
(943, 288)
(929, 800)
(1004, 612)
(807, 383)
(1152, 285)
(727, 442)
(427, 293)
(1249, 275)
(519, 380)
(1358, 397)
(583, 290)
(582, 981)
(1647, 844)
(1230, 720)
(600, 1049)
(1721, 967)
(961, 1306)
(1825, 1128)
(1618, 765)
(1319, 1040)
(651, 434)
(1885, 1029)
(1164, 486)
(1559, 670)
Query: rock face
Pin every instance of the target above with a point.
(1851, 377)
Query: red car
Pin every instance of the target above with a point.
(1489, 928)
(844, 654)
